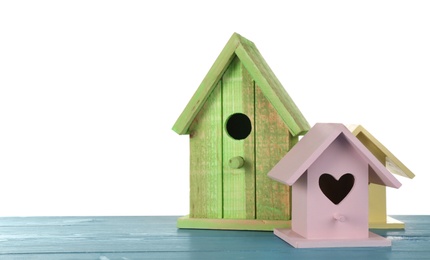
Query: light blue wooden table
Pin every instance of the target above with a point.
(126, 238)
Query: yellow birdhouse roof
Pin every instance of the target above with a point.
(393, 164)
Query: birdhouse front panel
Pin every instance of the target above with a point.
(238, 150)
(206, 160)
(272, 141)
(241, 122)
(337, 205)
(234, 141)
(330, 170)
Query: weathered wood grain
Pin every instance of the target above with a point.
(239, 184)
(232, 224)
(206, 160)
(272, 88)
(273, 140)
(232, 79)
(208, 84)
(130, 238)
(249, 55)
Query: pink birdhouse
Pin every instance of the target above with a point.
(329, 170)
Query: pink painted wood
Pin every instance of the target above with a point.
(329, 170)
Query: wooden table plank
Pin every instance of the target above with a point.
(106, 238)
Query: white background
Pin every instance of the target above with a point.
(89, 91)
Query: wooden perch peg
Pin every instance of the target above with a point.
(236, 162)
(339, 217)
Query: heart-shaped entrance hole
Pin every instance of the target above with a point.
(336, 190)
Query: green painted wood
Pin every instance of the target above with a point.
(232, 224)
(236, 162)
(129, 238)
(272, 88)
(218, 190)
(205, 160)
(238, 184)
(206, 87)
(246, 51)
(273, 140)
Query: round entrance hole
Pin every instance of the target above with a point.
(238, 126)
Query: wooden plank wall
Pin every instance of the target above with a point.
(239, 184)
(273, 140)
(205, 159)
(218, 191)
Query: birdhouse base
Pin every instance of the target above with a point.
(391, 223)
(299, 241)
(231, 224)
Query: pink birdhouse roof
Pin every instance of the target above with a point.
(295, 163)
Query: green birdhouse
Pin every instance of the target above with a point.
(241, 122)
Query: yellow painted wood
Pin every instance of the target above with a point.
(231, 224)
(272, 142)
(393, 164)
(206, 159)
(377, 203)
(377, 194)
(238, 184)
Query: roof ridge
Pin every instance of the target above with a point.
(313, 144)
(261, 73)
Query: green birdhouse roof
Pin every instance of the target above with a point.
(270, 86)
